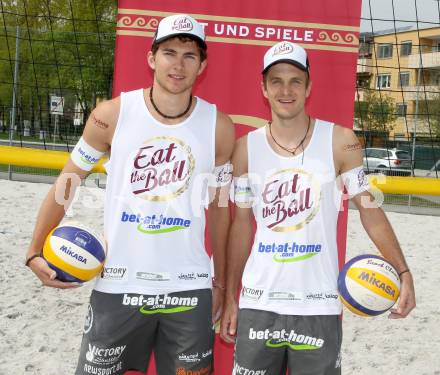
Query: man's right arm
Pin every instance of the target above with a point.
(98, 134)
(240, 238)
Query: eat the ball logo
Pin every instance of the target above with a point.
(182, 24)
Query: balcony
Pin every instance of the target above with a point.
(424, 92)
(364, 65)
(429, 60)
(359, 95)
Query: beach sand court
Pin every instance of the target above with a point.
(40, 328)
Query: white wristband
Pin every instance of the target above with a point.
(355, 181)
(222, 175)
(242, 190)
(85, 156)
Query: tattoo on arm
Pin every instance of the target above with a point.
(353, 147)
(99, 123)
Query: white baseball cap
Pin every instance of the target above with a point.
(286, 52)
(179, 24)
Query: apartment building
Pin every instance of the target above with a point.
(404, 64)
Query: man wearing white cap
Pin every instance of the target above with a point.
(156, 291)
(285, 174)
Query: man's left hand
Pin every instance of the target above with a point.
(217, 304)
(407, 300)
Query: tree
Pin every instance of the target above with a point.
(376, 112)
(430, 111)
(66, 49)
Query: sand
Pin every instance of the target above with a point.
(40, 328)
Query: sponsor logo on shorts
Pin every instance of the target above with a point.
(321, 296)
(240, 370)
(89, 369)
(155, 224)
(160, 304)
(104, 356)
(289, 251)
(200, 371)
(189, 358)
(114, 273)
(89, 319)
(195, 357)
(293, 340)
(153, 276)
(251, 293)
(285, 296)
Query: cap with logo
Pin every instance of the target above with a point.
(286, 52)
(179, 24)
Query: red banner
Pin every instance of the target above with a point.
(238, 34)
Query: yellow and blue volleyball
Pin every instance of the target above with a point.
(368, 285)
(75, 252)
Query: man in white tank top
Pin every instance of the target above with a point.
(285, 175)
(157, 291)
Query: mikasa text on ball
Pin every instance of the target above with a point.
(75, 252)
(368, 285)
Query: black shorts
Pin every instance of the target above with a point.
(121, 331)
(269, 343)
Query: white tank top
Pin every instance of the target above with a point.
(293, 265)
(154, 221)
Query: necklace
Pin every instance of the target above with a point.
(168, 116)
(290, 150)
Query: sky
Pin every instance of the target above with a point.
(427, 11)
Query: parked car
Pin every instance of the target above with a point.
(389, 161)
(435, 170)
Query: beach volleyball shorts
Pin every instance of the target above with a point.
(121, 331)
(268, 343)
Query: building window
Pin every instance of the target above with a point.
(436, 47)
(383, 81)
(362, 82)
(385, 51)
(405, 48)
(401, 109)
(404, 79)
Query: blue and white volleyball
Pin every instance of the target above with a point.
(368, 285)
(75, 252)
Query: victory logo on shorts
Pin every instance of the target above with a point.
(290, 200)
(162, 168)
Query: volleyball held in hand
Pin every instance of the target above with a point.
(368, 285)
(75, 252)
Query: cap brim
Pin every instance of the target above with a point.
(200, 41)
(287, 61)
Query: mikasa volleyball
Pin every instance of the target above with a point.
(368, 285)
(75, 252)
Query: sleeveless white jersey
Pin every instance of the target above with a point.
(154, 219)
(293, 265)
